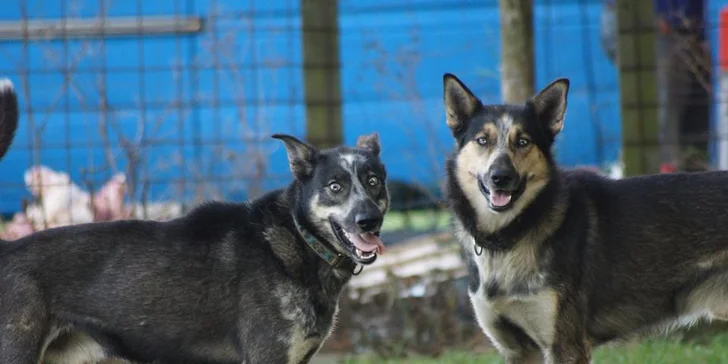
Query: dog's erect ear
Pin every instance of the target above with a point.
(460, 103)
(369, 142)
(301, 156)
(550, 105)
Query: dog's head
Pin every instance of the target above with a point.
(504, 151)
(343, 195)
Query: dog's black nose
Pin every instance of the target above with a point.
(369, 222)
(501, 177)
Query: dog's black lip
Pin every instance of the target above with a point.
(483, 189)
(339, 233)
(515, 194)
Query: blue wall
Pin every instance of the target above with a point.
(393, 55)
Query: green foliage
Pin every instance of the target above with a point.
(662, 351)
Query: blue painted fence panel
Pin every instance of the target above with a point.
(203, 106)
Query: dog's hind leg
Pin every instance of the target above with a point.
(709, 298)
(23, 321)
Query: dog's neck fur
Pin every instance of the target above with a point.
(507, 236)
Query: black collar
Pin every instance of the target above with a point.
(333, 258)
(496, 241)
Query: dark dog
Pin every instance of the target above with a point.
(228, 283)
(561, 261)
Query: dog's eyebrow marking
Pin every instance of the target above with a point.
(517, 132)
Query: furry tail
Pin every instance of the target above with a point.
(8, 115)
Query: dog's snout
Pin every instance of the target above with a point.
(502, 177)
(369, 221)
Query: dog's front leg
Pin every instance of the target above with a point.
(515, 346)
(570, 345)
(23, 320)
(569, 352)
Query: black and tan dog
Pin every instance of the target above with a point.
(561, 261)
(255, 282)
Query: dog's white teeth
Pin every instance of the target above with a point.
(364, 255)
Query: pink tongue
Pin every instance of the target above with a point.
(367, 242)
(500, 199)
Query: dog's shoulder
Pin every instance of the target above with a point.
(245, 217)
(215, 216)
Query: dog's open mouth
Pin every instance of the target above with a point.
(365, 246)
(501, 200)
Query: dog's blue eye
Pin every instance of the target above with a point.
(373, 181)
(522, 143)
(481, 141)
(333, 186)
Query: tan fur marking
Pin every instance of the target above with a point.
(490, 131)
(77, 347)
(534, 314)
(293, 305)
(710, 299)
(510, 267)
(714, 260)
(515, 132)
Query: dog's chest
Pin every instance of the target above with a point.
(309, 320)
(511, 286)
(516, 272)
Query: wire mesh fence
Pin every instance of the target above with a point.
(181, 96)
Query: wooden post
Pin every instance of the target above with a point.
(638, 86)
(322, 72)
(517, 55)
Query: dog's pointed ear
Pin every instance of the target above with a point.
(460, 103)
(550, 105)
(301, 156)
(369, 142)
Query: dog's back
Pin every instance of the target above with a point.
(653, 247)
(200, 263)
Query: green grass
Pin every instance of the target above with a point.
(714, 350)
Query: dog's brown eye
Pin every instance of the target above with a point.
(334, 186)
(373, 181)
(481, 141)
(522, 142)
